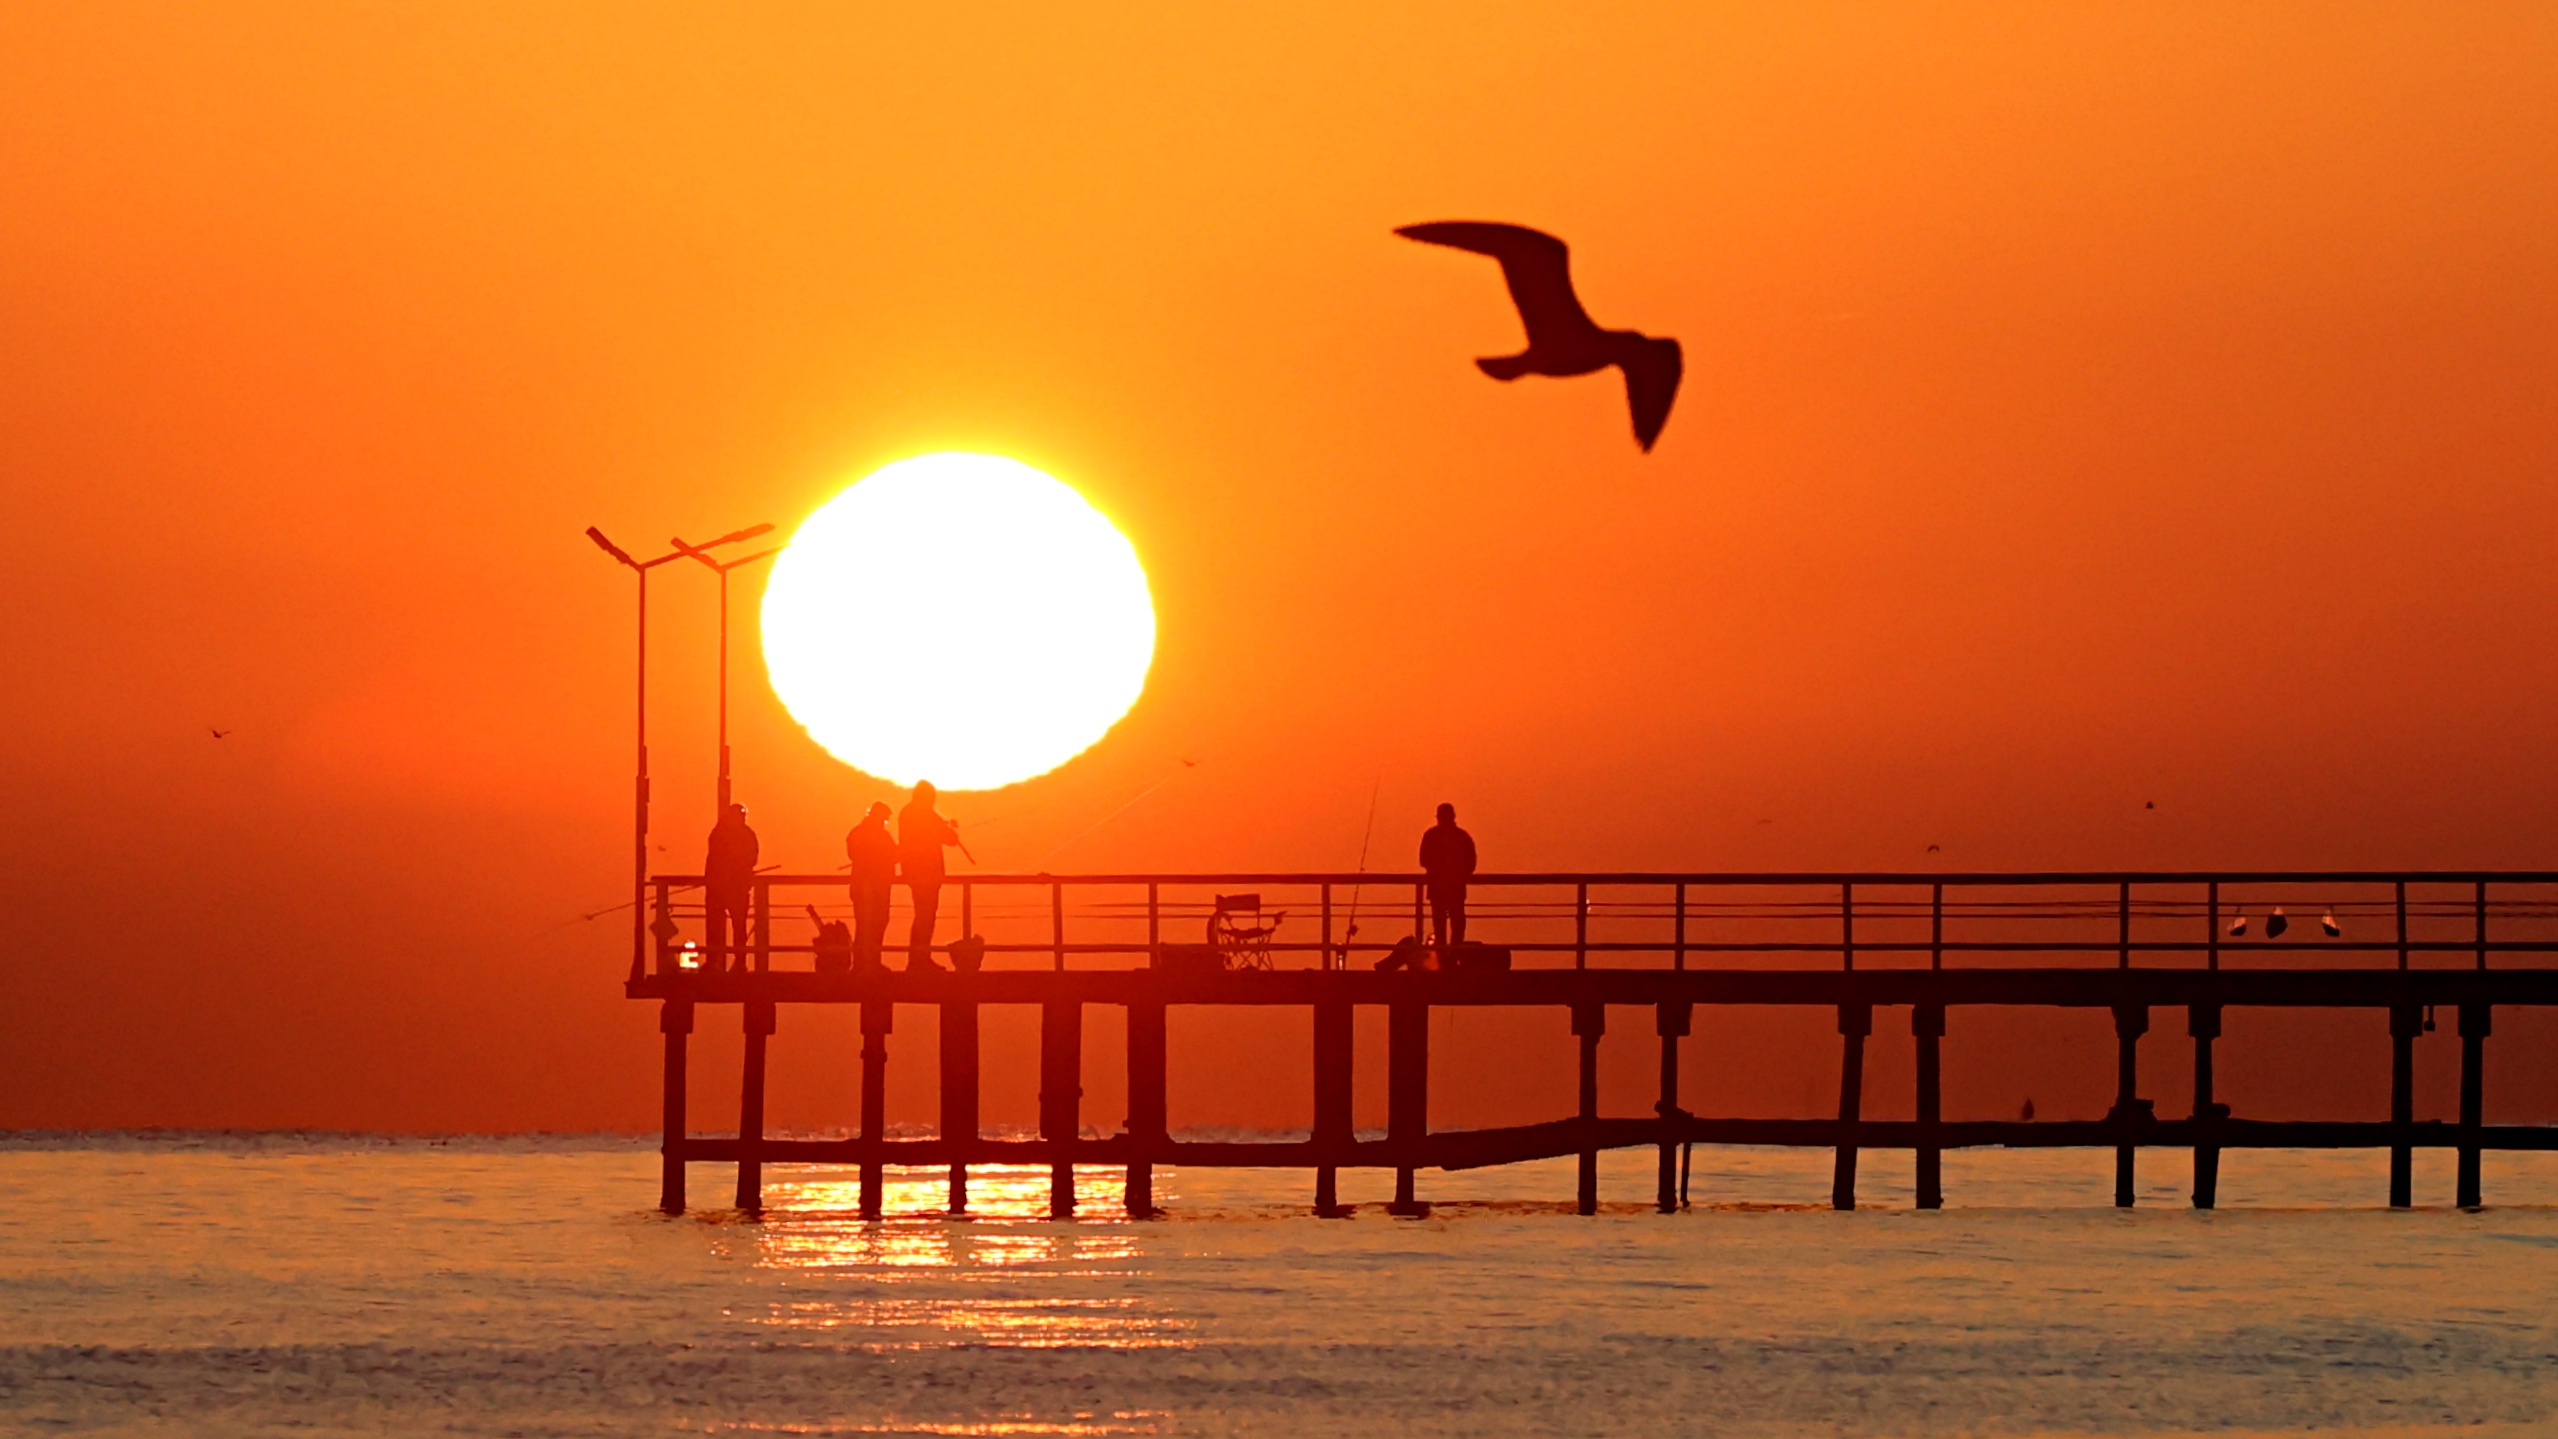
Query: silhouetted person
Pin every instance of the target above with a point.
(1447, 861)
(728, 880)
(874, 865)
(1562, 338)
(921, 835)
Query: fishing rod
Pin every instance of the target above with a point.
(1364, 836)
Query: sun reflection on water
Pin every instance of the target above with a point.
(1006, 1276)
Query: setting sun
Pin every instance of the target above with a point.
(960, 618)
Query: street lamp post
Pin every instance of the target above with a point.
(639, 785)
(721, 568)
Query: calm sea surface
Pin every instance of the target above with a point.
(322, 1286)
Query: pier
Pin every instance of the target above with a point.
(2438, 952)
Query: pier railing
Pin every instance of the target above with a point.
(2326, 918)
(2402, 943)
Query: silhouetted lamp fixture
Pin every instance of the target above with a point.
(2328, 923)
(721, 568)
(2276, 923)
(2238, 926)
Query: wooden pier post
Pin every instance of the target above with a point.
(2131, 1112)
(1147, 1111)
(750, 1108)
(2202, 1021)
(1061, 1094)
(2406, 1021)
(1589, 1021)
(1334, 1128)
(1855, 1022)
(879, 1019)
(675, 1021)
(1927, 1027)
(959, 1092)
(1407, 1095)
(1672, 1021)
(2475, 1021)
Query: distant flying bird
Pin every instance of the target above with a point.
(1562, 338)
(2238, 926)
(2328, 923)
(219, 733)
(1190, 764)
(2149, 804)
(1932, 849)
(2276, 923)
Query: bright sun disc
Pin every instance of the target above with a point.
(959, 618)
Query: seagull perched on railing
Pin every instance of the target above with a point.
(1562, 338)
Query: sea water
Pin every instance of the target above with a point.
(214, 1285)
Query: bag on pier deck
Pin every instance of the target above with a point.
(834, 944)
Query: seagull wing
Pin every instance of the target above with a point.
(1537, 265)
(1652, 369)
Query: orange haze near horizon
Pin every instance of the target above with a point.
(2086, 407)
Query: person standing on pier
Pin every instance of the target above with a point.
(1447, 862)
(728, 880)
(921, 836)
(873, 856)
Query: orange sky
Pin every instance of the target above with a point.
(2085, 406)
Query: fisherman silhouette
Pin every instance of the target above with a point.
(1447, 859)
(728, 878)
(1562, 338)
(921, 834)
(873, 856)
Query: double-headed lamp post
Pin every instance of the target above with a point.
(639, 786)
(721, 568)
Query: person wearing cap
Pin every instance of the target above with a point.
(873, 856)
(921, 836)
(1447, 862)
(728, 879)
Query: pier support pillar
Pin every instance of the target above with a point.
(1334, 1132)
(2131, 1112)
(1589, 1022)
(1061, 1095)
(750, 1108)
(879, 1019)
(1927, 1027)
(1407, 1096)
(1147, 1111)
(2475, 1021)
(2406, 1021)
(675, 1021)
(959, 1092)
(1855, 1022)
(1671, 1020)
(2202, 1021)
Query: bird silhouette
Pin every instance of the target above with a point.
(2328, 923)
(219, 733)
(2276, 923)
(1935, 848)
(1562, 338)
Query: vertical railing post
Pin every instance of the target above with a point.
(1927, 1028)
(1581, 926)
(675, 1021)
(1057, 921)
(967, 908)
(1847, 926)
(2131, 1112)
(1154, 925)
(1407, 1094)
(1589, 1022)
(750, 1108)
(1671, 1020)
(959, 1093)
(1147, 1108)
(1334, 1133)
(2123, 927)
(2211, 927)
(1323, 948)
(879, 1018)
(2406, 1021)
(662, 928)
(1061, 1095)
(1855, 1022)
(1936, 927)
(763, 926)
(2402, 924)
(1679, 926)
(2202, 1021)
(2482, 924)
(1420, 924)
(2475, 1022)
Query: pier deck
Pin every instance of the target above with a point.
(2129, 944)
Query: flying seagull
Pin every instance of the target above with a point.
(219, 733)
(1562, 338)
